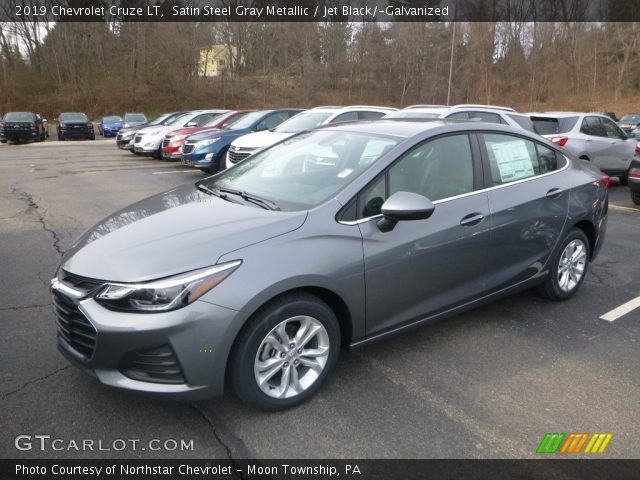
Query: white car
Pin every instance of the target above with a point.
(249, 144)
(148, 140)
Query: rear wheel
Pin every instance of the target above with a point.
(285, 352)
(568, 267)
(635, 198)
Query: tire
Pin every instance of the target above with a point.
(3, 141)
(92, 137)
(260, 345)
(562, 285)
(635, 198)
(624, 180)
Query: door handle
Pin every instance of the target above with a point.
(554, 193)
(471, 219)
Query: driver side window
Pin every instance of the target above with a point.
(437, 169)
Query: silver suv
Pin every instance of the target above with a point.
(590, 136)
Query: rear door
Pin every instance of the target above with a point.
(528, 201)
(622, 148)
(598, 146)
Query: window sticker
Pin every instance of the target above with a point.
(513, 160)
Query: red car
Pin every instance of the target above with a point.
(173, 141)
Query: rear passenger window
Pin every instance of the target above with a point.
(458, 116)
(592, 126)
(513, 158)
(485, 117)
(368, 115)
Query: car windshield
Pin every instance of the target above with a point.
(20, 117)
(113, 119)
(180, 119)
(135, 117)
(305, 170)
(631, 118)
(245, 122)
(73, 117)
(303, 121)
(215, 119)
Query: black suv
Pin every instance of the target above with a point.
(23, 126)
(75, 125)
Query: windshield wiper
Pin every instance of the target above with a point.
(247, 197)
(217, 193)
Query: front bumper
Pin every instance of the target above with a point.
(172, 153)
(199, 336)
(19, 135)
(110, 132)
(76, 134)
(147, 145)
(202, 160)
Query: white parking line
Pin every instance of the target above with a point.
(623, 309)
(613, 206)
(174, 171)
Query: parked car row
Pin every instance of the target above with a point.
(28, 126)
(213, 140)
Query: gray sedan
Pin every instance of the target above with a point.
(335, 237)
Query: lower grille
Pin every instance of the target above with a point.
(165, 142)
(73, 326)
(137, 139)
(119, 137)
(157, 365)
(235, 157)
(187, 148)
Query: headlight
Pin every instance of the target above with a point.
(205, 143)
(127, 135)
(165, 294)
(126, 125)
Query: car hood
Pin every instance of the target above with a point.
(217, 133)
(260, 139)
(173, 232)
(190, 131)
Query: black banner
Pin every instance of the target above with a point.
(320, 10)
(320, 469)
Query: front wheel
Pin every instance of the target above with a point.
(568, 267)
(285, 352)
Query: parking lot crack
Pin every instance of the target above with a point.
(33, 205)
(237, 468)
(25, 307)
(35, 380)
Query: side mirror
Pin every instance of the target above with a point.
(402, 206)
(192, 124)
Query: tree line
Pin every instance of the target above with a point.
(112, 67)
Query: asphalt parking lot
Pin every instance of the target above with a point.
(486, 384)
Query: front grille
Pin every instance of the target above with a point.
(137, 139)
(157, 365)
(165, 142)
(119, 137)
(187, 148)
(73, 327)
(235, 157)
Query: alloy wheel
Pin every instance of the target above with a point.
(572, 265)
(291, 357)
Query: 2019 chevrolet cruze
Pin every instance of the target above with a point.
(335, 237)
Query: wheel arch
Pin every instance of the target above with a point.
(590, 231)
(331, 298)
